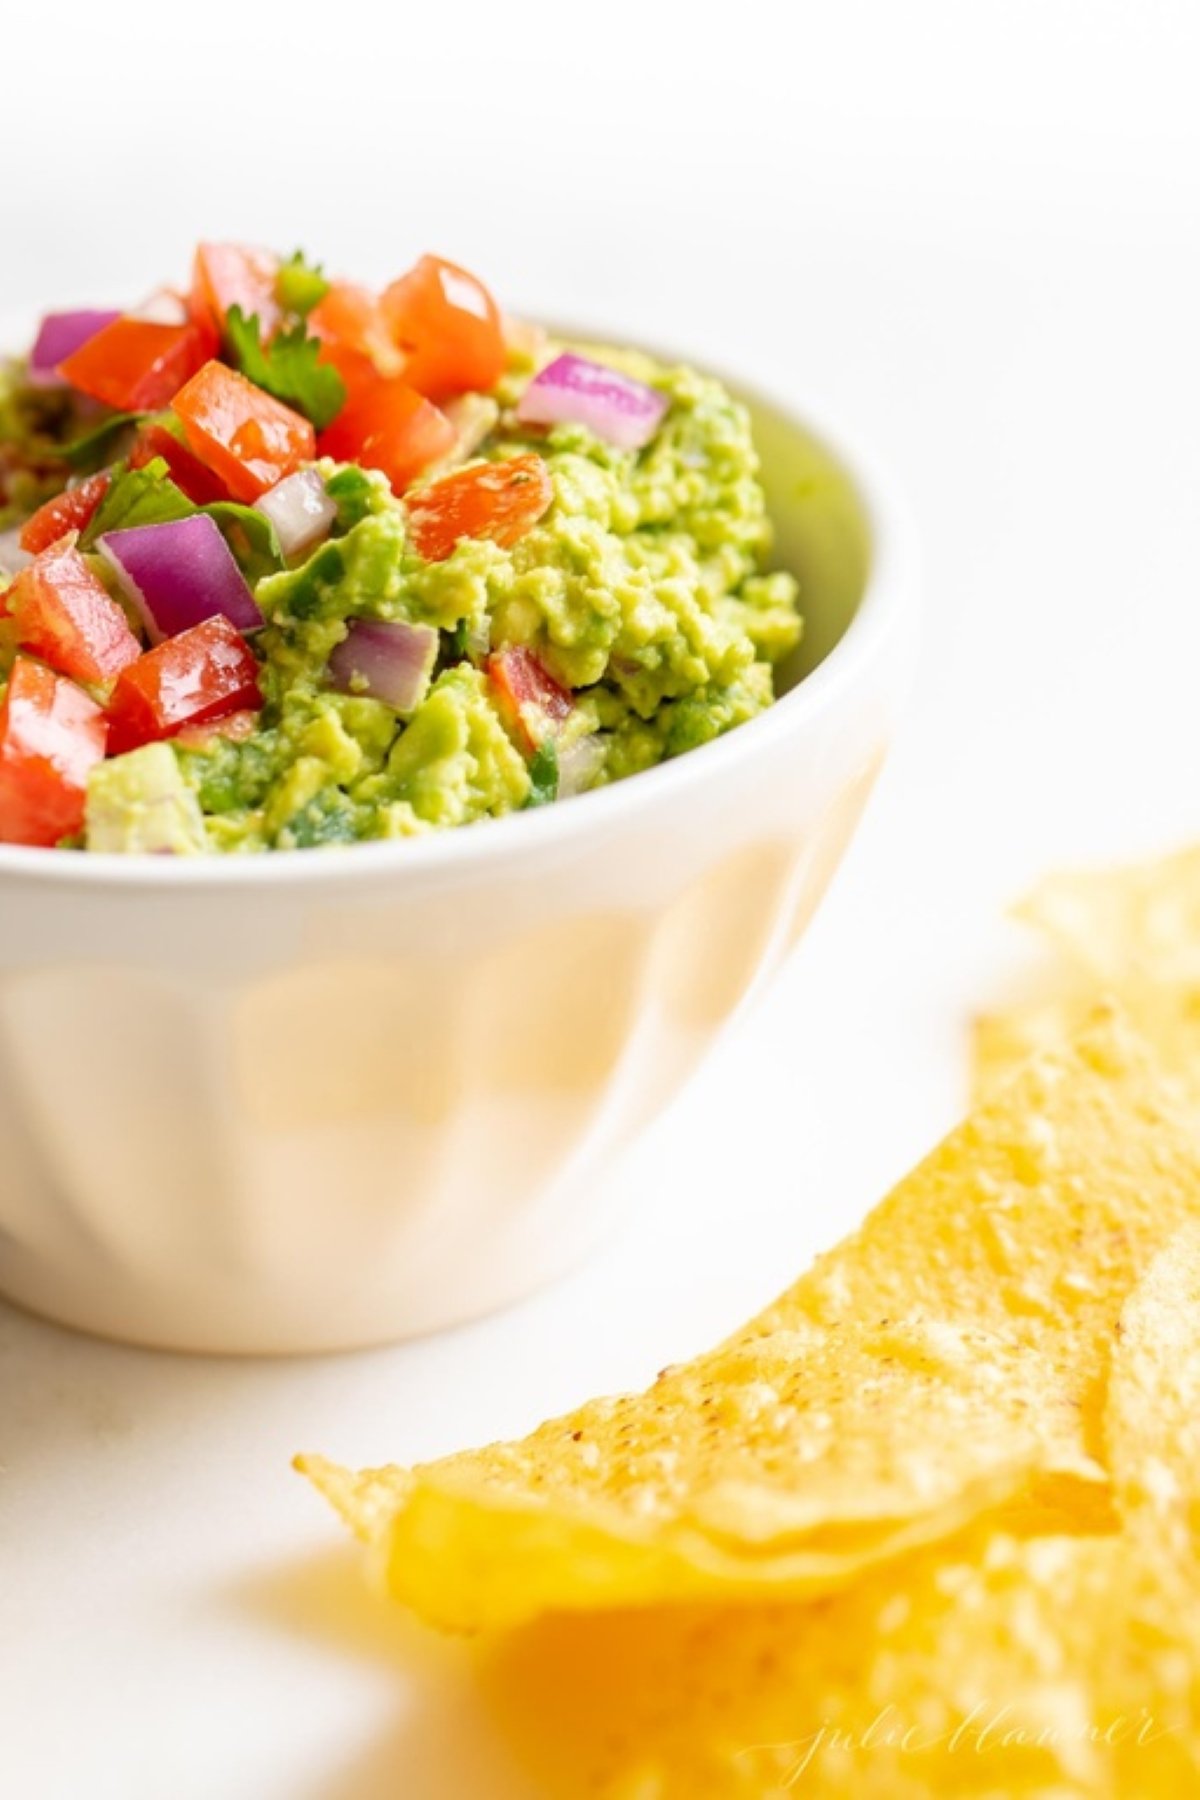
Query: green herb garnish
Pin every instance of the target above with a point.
(300, 285)
(289, 367)
(148, 496)
(543, 775)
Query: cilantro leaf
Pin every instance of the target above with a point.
(250, 535)
(87, 452)
(145, 496)
(287, 367)
(148, 496)
(460, 641)
(300, 285)
(543, 776)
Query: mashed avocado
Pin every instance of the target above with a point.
(640, 592)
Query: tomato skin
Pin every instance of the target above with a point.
(51, 736)
(500, 501)
(136, 365)
(69, 511)
(227, 275)
(532, 701)
(449, 328)
(66, 615)
(235, 727)
(389, 426)
(186, 470)
(350, 321)
(246, 437)
(200, 675)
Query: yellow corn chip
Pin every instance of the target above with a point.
(1153, 1412)
(1130, 933)
(1034, 1217)
(1005, 1667)
(993, 1666)
(882, 1402)
(791, 1462)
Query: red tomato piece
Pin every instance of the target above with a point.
(500, 501)
(534, 703)
(449, 328)
(136, 365)
(227, 275)
(235, 727)
(350, 319)
(357, 371)
(67, 616)
(51, 735)
(389, 426)
(247, 438)
(69, 511)
(202, 674)
(187, 471)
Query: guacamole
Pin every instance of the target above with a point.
(562, 597)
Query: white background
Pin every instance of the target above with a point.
(969, 231)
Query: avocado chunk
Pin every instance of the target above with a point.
(140, 802)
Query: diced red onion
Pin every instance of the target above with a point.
(385, 661)
(12, 558)
(59, 336)
(179, 574)
(579, 765)
(573, 389)
(300, 510)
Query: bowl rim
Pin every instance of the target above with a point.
(888, 604)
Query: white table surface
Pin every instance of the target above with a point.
(970, 231)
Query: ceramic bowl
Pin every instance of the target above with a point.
(323, 1099)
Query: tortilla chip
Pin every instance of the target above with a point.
(990, 1666)
(789, 1463)
(1153, 1413)
(1132, 934)
(1009, 1667)
(1035, 1217)
(938, 1364)
(1136, 923)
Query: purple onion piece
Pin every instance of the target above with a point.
(59, 336)
(300, 510)
(573, 389)
(387, 661)
(178, 574)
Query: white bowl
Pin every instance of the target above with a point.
(322, 1099)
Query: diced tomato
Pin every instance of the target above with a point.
(202, 674)
(69, 511)
(235, 728)
(500, 501)
(247, 438)
(136, 365)
(350, 320)
(449, 328)
(66, 615)
(534, 703)
(226, 275)
(187, 471)
(389, 426)
(51, 735)
(357, 371)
